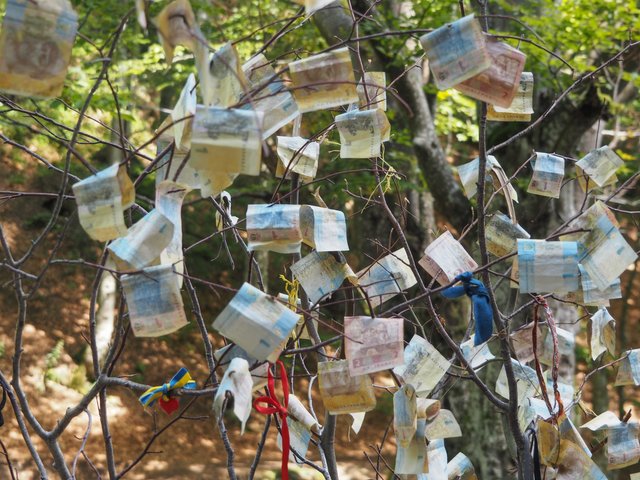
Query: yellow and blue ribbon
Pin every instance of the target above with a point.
(182, 379)
(482, 312)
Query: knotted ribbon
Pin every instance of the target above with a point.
(482, 312)
(273, 407)
(182, 379)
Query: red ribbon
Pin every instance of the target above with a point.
(274, 407)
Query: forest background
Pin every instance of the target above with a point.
(432, 132)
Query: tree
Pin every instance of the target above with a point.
(108, 114)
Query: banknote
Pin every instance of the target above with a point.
(498, 84)
(502, 234)
(102, 199)
(143, 243)
(548, 266)
(176, 25)
(226, 141)
(623, 447)
(437, 461)
(456, 51)
(574, 463)
(527, 383)
(548, 173)
(35, 47)
(321, 274)
(603, 333)
(269, 95)
(343, 393)
(387, 277)
(468, 174)
(603, 421)
(224, 355)
(566, 342)
(274, 227)
(222, 80)
(372, 91)
(605, 254)
(237, 382)
(323, 81)
(461, 468)
(169, 198)
(323, 228)
(405, 414)
(629, 369)
(423, 366)
(154, 301)
(297, 155)
(521, 107)
(362, 133)
(443, 425)
(477, 356)
(182, 114)
(373, 344)
(412, 460)
(256, 322)
(299, 438)
(445, 258)
(592, 295)
(600, 166)
(175, 165)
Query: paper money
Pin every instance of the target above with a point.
(526, 381)
(274, 227)
(362, 133)
(502, 235)
(521, 107)
(143, 243)
(456, 51)
(375, 85)
(445, 258)
(186, 107)
(154, 301)
(532, 409)
(299, 438)
(373, 344)
(405, 415)
(387, 277)
(605, 253)
(461, 468)
(169, 198)
(256, 322)
(499, 83)
(443, 425)
(521, 341)
(437, 461)
(268, 95)
(323, 229)
(423, 366)
(427, 407)
(297, 155)
(176, 25)
(226, 141)
(343, 393)
(468, 174)
(35, 47)
(477, 356)
(600, 166)
(237, 381)
(592, 295)
(101, 200)
(629, 369)
(603, 333)
(412, 460)
(258, 371)
(548, 172)
(222, 81)
(574, 464)
(603, 421)
(548, 266)
(298, 411)
(623, 447)
(320, 274)
(566, 344)
(323, 81)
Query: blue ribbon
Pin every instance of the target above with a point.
(482, 312)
